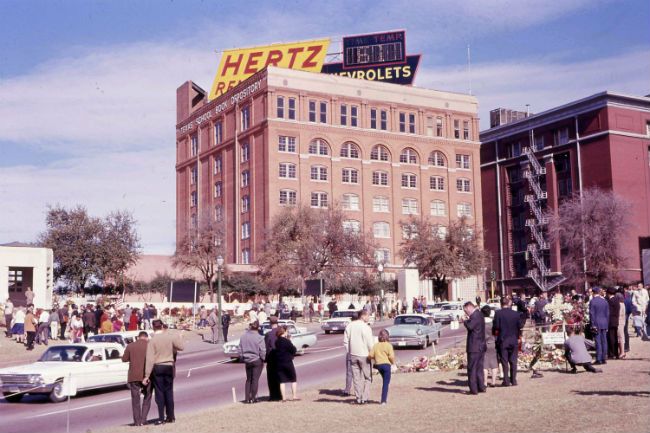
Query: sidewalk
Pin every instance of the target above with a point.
(614, 401)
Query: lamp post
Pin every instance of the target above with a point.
(380, 269)
(219, 271)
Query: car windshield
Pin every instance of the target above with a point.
(339, 314)
(438, 305)
(450, 307)
(106, 339)
(410, 320)
(63, 354)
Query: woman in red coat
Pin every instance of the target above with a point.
(133, 323)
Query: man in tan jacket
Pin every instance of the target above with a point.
(159, 369)
(30, 327)
(135, 354)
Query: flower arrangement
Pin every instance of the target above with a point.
(557, 309)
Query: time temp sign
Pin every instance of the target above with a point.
(377, 49)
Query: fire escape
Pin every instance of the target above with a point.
(540, 273)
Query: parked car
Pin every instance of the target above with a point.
(449, 313)
(300, 337)
(121, 338)
(435, 307)
(339, 321)
(77, 367)
(414, 330)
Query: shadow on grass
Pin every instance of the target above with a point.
(617, 393)
(440, 389)
(332, 400)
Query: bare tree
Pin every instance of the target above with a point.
(440, 256)
(305, 243)
(590, 230)
(119, 246)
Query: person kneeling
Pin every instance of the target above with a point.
(576, 351)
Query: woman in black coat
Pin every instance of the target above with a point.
(284, 353)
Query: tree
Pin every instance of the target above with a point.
(118, 246)
(590, 230)
(305, 243)
(197, 252)
(441, 256)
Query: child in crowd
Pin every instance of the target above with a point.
(637, 322)
(383, 356)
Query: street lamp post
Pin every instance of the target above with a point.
(219, 271)
(380, 269)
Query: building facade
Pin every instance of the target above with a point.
(531, 165)
(381, 151)
(25, 266)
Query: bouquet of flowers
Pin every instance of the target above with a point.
(557, 308)
(452, 360)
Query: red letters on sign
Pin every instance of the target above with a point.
(274, 58)
(314, 52)
(227, 64)
(251, 64)
(294, 52)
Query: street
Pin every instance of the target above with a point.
(204, 378)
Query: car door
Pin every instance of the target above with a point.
(91, 370)
(116, 370)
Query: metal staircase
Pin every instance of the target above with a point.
(540, 273)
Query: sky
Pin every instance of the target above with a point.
(88, 88)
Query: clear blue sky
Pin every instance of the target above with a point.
(87, 88)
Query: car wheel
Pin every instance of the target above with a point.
(425, 343)
(12, 398)
(56, 395)
(301, 351)
(327, 332)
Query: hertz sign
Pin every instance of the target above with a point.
(239, 64)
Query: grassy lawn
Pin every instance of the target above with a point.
(616, 401)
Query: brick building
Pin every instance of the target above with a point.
(382, 151)
(530, 165)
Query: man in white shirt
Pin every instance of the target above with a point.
(43, 331)
(640, 299)
(261, 317)
(252, 315)
(358, 342)
(9, 315)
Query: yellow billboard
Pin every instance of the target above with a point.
(238, 64)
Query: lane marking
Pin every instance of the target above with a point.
(81, 407)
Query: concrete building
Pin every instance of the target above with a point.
(531, 165)
(282, 137)
(22, 267)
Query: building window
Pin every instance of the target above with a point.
(464, 210)
(402, 122)
(437, 183)
(561, 136)
(408, 156)
(344, 114)
(286, 144)
(411, 123)
(352, 226)
(441, 231)
(380, 178)
(410, 206)
(194, 145)
(245, 152)
(384, 120)
(319, 147)
(246, 230)
(245, 204)
(382, 255)
(373, 118)
(323, 112)
(539, 142)
(456, 128)
(430, 126)
(465, 129)
(281, 107)
(218, 132)
(513, 149)
(564, 187)
(354, 116)
(380, 204)
(438, 208)
(463, 185)
(318, 172)
(409, 180)
(381, 230)
(462, 161)
(349, 150)
(292, 108)
(319, 199)
(218, 189)
(287, 170)
(194, 175)
(218, 165)
(312, 110)
(218, 213)
(438, 126)
(193, 198)
(437, 159)
(288, 197)
(379, 153)
(350, 202)
(409, 231)
(193, 221)
(350, 175)
(246, 256)
(245, 178)
(245, 117)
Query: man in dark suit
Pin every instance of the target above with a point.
(271, 366)
(507, 327)
(612, 332)
(476, 347)
(599, 317)
(135, 354)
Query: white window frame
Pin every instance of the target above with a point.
(463, 161)
(409, 181)
(319, 147)
(350, 202)
(463, 185)
(464, 209)
(381, 204)
(350, 176)
(288, 197)
(380, 178)
(408, 156)
(246, 230)
(410, 206)
(289, 169)
(438, 208)
(437, 159)
(318, 173)
(245, 118)
(381, 230)
(381, 152)
(320, 198)
(437, 180)
(286, 144)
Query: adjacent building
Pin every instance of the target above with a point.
(22, 267)
(381, 151)
(530, 165)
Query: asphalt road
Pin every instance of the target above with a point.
(204, 379)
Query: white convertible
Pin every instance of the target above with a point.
(64, 370)
(299, 336)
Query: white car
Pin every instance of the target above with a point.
(299, 336)
(122, 338)
(63, 370)
(434, 308)
(339, 321)
(449, 313)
